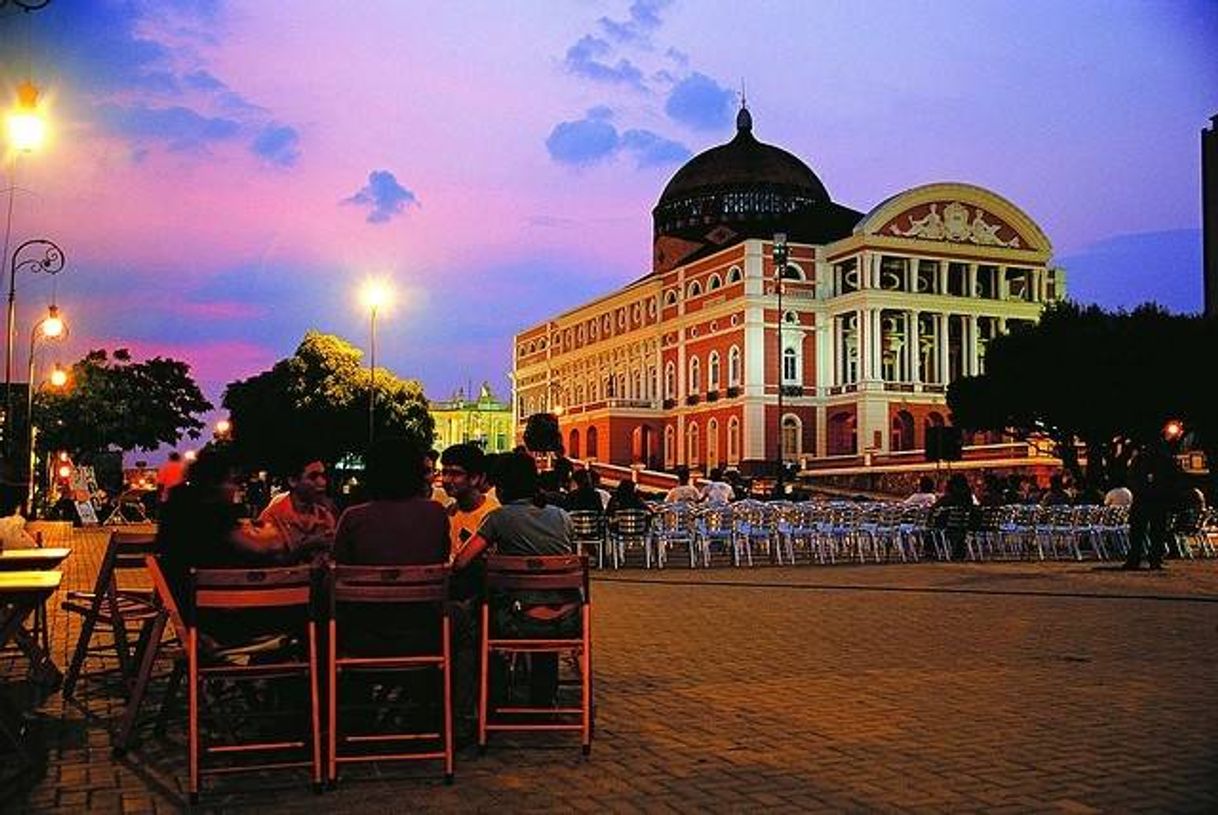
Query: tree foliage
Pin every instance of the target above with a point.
(1108, 381)
(541, 434)
(315, 403)
(115, 403)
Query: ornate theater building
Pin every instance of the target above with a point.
(710, 360)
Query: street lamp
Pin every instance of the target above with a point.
(223, 428)
(375, 296)
(37, 255)
(50, 327)
(26, 127)
(780, 268)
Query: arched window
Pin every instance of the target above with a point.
(733, 440)
(733, 367)
(734, 275)
(712, 372)
(790, 366)
(694, 289)
(579, 394)
(670, 297)
(713, 283)
(621, 387)
(792, 437)
(902, 431)
(695, 375)
(670, 446)
(670, 380)
(691, 444)
(593, 452)
(573, 443)
(651, 383)
(793, 272)
(842, 440)
(712, 444)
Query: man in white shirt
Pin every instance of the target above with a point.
(925, 496)
(716, 490)
(1118, 496)
(684, 491)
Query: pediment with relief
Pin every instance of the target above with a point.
(956, 222)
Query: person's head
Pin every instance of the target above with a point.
(682, 476)
(431, 471)
(716, 474)
(396, 469)
(463, 471)
(175, 456)
(926, 484)
(1057, 482)
(596, 477)
(957, 485)
(562, 470)
(307, 480)
(517, 477)
(582, 479)
(214, 470)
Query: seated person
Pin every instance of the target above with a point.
(584, 497)
(684, 491)
(201, 527)
(399, 526)
(521, 527)
(303, 515)
(956, 513)
(716, 490)
(626, 496)
(12, 524)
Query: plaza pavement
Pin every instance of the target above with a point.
(1030, 687)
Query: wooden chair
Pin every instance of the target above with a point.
(111, 609)
(286, 590)
(506, 578)
(389, 591)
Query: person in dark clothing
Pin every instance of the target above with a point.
(584, 497)
(626, 496)
(1056, 495)
(1156, 480)
(956, 513)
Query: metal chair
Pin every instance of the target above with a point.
(391, 592)
(673, 526)
(589, 530)
(631, 528)
(714, 524)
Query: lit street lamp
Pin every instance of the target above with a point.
(375, 296)
(42, 256)
(223, 428)
(50, 327)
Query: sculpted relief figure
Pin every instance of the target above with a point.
(954, 225)
(955, 221)
(929, 226)
(987, 234)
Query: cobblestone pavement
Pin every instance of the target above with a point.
(998, 687)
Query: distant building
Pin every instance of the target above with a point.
(1209, 214)
(880, 310)
(484, 420)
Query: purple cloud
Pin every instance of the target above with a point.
(179, 127)
(278, 144)
(384, 197)
(594, 138)
(585, 59)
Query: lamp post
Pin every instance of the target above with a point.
(780, 267)
(375, 296)
(37, 255)
(49, 327)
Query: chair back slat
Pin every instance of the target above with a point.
(130, 549)
(537, 573)
(252, 588)
(389, 584)
(274, 597)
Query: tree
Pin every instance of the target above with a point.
(316, 402)
(541, 434)
(1105, 381)
(115, 403)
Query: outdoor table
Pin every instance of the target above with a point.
(21, 594)
(35, 560)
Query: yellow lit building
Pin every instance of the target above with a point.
(485, 421)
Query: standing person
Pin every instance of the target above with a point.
(1155, 478)
(303, 515)
(169, 475)
(521, 527)
(684, 491)
(716, 490)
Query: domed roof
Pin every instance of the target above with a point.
(743, 163)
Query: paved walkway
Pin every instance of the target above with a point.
(997, 687)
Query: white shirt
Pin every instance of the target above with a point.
(1118, 497)
(717, 492)
(682, 492)
(921, 499)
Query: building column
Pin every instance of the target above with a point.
(877, 345)
(943, 347)
(970, 358)
(942, 266)
(914, 342)
(970, 284)
(1004, 290)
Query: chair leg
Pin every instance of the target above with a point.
(446, 672)
(332, 674)
(82, 645)
(192, 692)
(143, 676)
(484, 677)
(315, 706)
(171, 695)
(585, 685)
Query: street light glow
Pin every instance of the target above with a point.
(59, 377)
(375, 295)
(223, 426)
(26, 128)
(53, 326)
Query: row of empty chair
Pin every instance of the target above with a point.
(817, 532)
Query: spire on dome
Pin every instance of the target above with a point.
(744, 119)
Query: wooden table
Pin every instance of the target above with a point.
(35, 560)
(22, 593)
